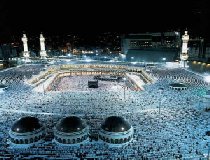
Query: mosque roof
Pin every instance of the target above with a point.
(26, 124)
(70, 124)
(115, 124)
(177, 85)
(3, 86)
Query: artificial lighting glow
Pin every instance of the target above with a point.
(172, 65)
(207, 79)
(123, 55)
(176, 33)
(88, 60)
(133, 62)
(164, 59)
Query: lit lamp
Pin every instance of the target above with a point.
(164, 59)
(96, 56)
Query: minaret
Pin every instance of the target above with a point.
(184, 54)
(25, 47)
(43, 53)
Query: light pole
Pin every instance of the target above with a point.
(43, 89)
(124, 79)
(160, 91)
(208, 154)
(164, 60)
(207, 80)
(97, 56)
(132, 59)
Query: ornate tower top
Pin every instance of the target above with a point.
(41, 35)
(185, 37)
(184, 53)
(43, 53)
(25, 47)
(24, 38)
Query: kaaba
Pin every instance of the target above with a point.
(93, 84)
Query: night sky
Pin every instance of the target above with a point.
(60, 17)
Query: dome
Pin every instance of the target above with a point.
(3, 86)
(26, 124)
(177, 85)
(70, 124)
(115, 124)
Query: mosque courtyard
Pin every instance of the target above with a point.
(167, 123)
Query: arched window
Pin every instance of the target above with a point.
(31, 140)
(69, 141)
(112, 140)
(17, 141)
(84, 138)
(26, 141)
(21, 141)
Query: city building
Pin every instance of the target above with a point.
(151, 41)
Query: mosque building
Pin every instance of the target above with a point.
(26, 130)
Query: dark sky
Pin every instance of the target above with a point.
(33, 16)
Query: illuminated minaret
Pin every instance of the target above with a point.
(184, 54)
(43, 53)
(25, 47)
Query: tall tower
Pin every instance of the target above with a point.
(184, 53)
(43, 53)
(26, 54)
